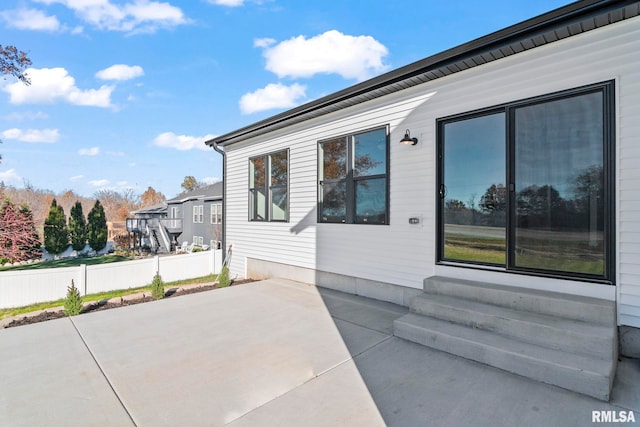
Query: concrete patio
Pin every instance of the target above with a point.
(267, 353)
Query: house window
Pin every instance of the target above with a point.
(353, 176)
(174, 212)
(269, 187)
(198, 214)
(528, 186)
(198, 240)
(216, 213)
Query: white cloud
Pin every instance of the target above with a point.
(9, 176)
(274, 95)
(50, 85)
(76, 178)
(265, 42)
(181, 142)
(133, 17)
(210, 180)
(120, 72)
(30, 19)
(32, 135)
(93, 151)
(352, 57)
(98, 182)
(26, 116)
(229, 3)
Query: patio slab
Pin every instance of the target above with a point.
(47, 377)
(274, 352)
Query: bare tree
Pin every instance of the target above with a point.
(14, 62)
(151, 197)
(117, 205)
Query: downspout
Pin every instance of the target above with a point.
(224, 198)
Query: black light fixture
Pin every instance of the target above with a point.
(407, 140)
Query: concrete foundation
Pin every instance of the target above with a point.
(629, 341)
(401, 295)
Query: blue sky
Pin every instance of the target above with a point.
(125, 92)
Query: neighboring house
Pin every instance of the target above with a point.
(152, 230)
(194, 217)
(201, 213)
(510, 206)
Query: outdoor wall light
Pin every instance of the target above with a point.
(407, 140)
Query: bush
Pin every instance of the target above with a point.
(157, 287)
(223, 277)
(73, 301)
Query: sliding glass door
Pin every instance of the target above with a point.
(528, 186)
(474, 210)
(560, 197)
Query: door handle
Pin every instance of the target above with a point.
(442, 191)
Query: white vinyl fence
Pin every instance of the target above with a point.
(18, 288)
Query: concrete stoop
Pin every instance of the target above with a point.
(564, 340)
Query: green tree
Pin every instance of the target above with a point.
(56, 233)
(97, 227)
(73, 301)
(223, 277)
(157, 287)
(77, 227)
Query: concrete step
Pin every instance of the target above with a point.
(587, 375)
(586, 309)
(549, 331)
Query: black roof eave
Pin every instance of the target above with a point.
(509, 36)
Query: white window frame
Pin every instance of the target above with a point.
(216, 213)
(198, 214)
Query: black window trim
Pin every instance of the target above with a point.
(607, 88)
(268, 187)
(350, 180)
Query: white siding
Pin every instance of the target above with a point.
(404, 254)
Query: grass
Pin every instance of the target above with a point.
(475, 249)
(544, 254)
(67, 262)
(10, 312)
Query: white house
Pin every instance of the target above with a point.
(502, 174)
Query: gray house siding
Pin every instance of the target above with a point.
(197, 228)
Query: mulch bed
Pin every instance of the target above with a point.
(107, 305)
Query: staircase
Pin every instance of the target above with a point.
(159, 239)
(565, 340)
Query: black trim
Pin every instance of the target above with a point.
(253, 216)
(350, 181)
(607, 89)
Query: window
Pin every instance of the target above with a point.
(353, 175)
(269, 187)
(174, 212)
(216, 213)
(528, 186)
(198, 214)
(198, 240)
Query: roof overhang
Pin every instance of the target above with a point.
(567, 21)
